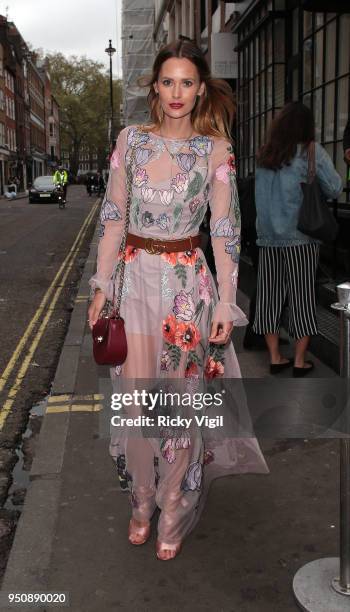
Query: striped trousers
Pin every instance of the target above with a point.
(287, 272)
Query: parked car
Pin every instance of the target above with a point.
(43, 190)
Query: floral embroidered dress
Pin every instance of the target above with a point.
(168, 303)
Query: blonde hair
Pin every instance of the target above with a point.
(214, 111)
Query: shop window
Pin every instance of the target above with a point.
(279, 40)
(295, 22)
(341, 166)
(319, 20)
(279, 85)
(307, 64)
(307, 100)
(344, 44)
(329, 113)
(269, 43)
(262, 91)
(317, 108)
(318, 59)
(269, 87)
(331, 47)
(307, 23)
(343, 105)
(262, 49)
(257, 94)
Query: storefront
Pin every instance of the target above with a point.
(288, 53)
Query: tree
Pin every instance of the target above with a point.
(81, 88)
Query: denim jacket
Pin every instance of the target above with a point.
(278, 197)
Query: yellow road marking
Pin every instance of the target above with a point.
(25, 365)
(16, 354)
(74, 408)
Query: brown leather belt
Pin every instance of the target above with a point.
(156, 246)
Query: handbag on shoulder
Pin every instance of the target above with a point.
(315, 218)
(110, 345)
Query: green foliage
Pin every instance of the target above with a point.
(81, 88)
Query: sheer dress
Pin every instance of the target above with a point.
(168, 303)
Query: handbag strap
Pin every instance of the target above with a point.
(129, 177)
(311, 162)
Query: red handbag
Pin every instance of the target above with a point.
(110, 345)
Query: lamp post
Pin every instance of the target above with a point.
(110, 51)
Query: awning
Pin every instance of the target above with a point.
(329, 6)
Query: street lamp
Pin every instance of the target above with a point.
(110, 51)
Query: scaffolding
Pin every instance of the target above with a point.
(137, 57)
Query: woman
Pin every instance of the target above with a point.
(288, 258)
(176, 326)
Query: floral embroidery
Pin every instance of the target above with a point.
(184, 307)
(169, 328)
(194, 204)
(187, 336)
(226, 170)
(205, 287)
(201, 145)
(234, 248)
(222, 227)
(165, 362)
(180, 182)
(123, 474)
(170, 258)
(147, 193)
(193, 478)
(147, 219)
(163, 221)
(213, 368)
(140, 177)
(115, 159)
(142, 156)
(191, 370)
(109, 211)
(208, 457)
(166, 196)
(186, 161)
(130, 254)
(167, 292)
(188, 258)
(137, 137)
(169, 445)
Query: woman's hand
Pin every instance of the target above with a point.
(220, 332)
(95, 308)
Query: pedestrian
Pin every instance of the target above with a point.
(288, 258)
(177, 327)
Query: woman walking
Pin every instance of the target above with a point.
(288, 258)
(176, 324)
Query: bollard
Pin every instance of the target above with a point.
(324, 585)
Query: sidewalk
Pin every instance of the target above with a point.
(255, 532)
(20, 195)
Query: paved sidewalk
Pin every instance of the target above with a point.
(20, 195)
(254, 534)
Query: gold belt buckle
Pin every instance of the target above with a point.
(152, 248)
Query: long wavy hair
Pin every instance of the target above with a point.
(214, 111)
(293, 125)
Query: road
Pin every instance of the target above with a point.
(42, 252)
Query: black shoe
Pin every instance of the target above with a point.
(275, 368)
(300, 372)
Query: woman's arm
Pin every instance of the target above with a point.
(112, 219)
(225, 231)
(327, 175)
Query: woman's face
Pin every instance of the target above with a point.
(178, 85)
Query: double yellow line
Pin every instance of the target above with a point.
(52, 295)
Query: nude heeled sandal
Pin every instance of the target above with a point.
(162, 548)
(138, 535)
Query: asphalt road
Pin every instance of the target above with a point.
(41, 262)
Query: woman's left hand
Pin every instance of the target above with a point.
(220, 332)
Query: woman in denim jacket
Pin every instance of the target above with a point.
(288, 258)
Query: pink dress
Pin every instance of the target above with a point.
(168, 304)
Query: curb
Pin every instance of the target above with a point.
(30, 554)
